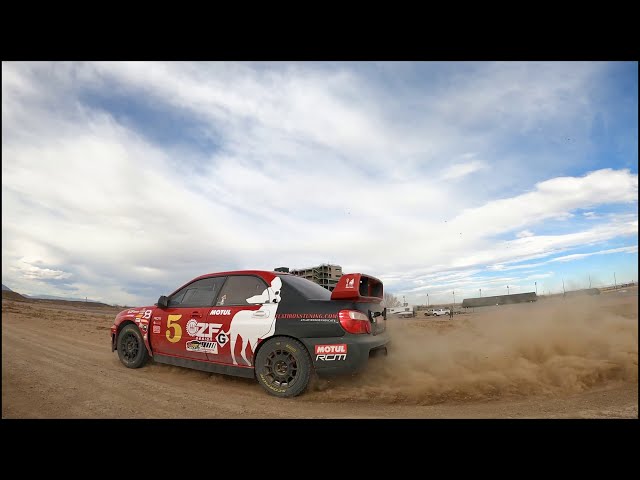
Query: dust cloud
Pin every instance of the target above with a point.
(554, 346)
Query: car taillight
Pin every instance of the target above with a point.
(354, 322)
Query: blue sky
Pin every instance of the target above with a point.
(123, 180)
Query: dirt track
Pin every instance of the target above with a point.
(571, 358)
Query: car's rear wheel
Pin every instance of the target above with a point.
(283, 367)
(131, 348)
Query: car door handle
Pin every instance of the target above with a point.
(259, 313)
(196, 314)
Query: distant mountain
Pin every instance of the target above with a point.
(11, 295)
(53, 297)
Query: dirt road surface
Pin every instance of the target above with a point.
(560, 358)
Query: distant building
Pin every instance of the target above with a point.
(499, 300)
(325, 275)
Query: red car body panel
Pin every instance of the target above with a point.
(167, 330)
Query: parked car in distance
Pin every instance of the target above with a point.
(402, 311)
(272, 326)
(438, 312)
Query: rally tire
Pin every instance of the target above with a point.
(131, 348)
(283, 367)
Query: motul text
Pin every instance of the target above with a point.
(337, 348)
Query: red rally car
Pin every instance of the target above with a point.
(274, 326)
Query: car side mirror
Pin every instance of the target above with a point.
(163, 302)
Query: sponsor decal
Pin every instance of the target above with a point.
(202, 331)
(252, 326)
(144, 327)
(336, 348)
(132, 311)
(157, 319)
(222, 339)
(330, 353)
(349, 283)
(156, 329)
(307, 316)
(221, 301)
(330, 357)
(220, 312)
(204, 347)
(331, 320)
(143, 316)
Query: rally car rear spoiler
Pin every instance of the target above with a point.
(359, 288)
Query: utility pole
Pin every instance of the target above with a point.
(589, 281)
(454, 298)
(507, 289)
(404, 303)
(536, 284)
(427, 300)
(480, 293)
(563, 291)
(615, 282)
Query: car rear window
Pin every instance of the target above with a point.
(306, 288)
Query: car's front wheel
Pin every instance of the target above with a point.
(283, 367)
(131, 348)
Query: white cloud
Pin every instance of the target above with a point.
(524, 233)
(539, 276)
(462, 169)
(500, 267)
(577, 256)
(552, 199)
(33, 272)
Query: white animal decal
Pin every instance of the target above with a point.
(254, 325)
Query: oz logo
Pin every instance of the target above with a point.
(222, 339)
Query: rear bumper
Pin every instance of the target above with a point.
(348, 354)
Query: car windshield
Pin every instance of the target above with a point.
(308, 289)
